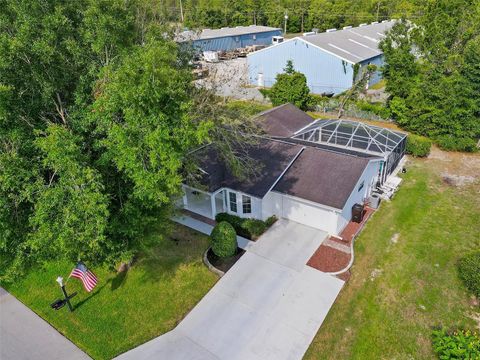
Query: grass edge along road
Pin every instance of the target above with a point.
(125, 309)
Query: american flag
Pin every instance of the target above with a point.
(88, 278)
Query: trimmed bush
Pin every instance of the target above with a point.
(469, 271)
(270, 221)
(451, 143)
(245, 227)
(460, 344)
(418, 146)
(223, 240)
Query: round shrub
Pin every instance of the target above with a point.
(469, 270)
(418, 146)
(223, 240)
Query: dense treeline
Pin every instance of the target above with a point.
(98, 115)
(433, 73)
(303, 15)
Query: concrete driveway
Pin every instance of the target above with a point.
(269, 305)
(24, 335)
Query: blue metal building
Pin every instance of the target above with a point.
(328, 60)
(229, 38)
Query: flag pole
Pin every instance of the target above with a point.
(67, 298)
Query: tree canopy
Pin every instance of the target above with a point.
(432, 73)
(96, 123)
(290, 87)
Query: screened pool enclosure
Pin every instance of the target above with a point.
(358, 137)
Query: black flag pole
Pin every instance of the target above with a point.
(58, 304)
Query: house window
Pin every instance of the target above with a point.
(254, 37)
(233, 201)
(237, 39)
(362, 184)
(246, 204)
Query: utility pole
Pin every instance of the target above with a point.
(181, 11)
(378, 8)
(285, 27)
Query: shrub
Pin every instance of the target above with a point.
(418, 146)
(246, 227)
(270, 221)
(254, 227)
(223, 240)
(460, 344)
(290, 87)
(375, 108)
(451, 143)
(469, 271)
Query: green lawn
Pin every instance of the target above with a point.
(402, 287)
(125, 310)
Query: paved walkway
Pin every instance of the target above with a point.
(204, 228)
(269, 305)
(24, 335)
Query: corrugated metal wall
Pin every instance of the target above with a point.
(235, 42)
(325, 73)
(377, 76)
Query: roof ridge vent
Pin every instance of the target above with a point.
(363, 24)
(347, 27)
(385, 21)
(374, 22)
(331, 30)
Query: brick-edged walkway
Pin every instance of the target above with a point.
(335, 253)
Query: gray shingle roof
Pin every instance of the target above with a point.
(270, 157)
(283, 120)
(205, 34)
(355, 44)
(323, 177)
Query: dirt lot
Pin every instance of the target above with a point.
(230, 78)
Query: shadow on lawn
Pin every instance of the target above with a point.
(80, 303)
(119, 279)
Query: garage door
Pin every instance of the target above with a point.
(308, 214)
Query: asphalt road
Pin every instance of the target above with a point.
(24, 335)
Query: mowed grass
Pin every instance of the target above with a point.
(403, 285)
(125, 309)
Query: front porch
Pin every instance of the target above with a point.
(203, 203)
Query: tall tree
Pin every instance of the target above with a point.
(431, 72)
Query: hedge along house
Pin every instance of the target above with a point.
(331, 61)
(298, 179)
(225, 39)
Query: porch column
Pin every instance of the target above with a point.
(214, 206)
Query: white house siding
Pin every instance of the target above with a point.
(301, 211)
(324, 72)
(369, 176)
(256, 205)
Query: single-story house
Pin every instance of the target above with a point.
(331, 61)
(300, 179)
(226, 38)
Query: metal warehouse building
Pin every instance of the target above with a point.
(327, 59)
(229, 38)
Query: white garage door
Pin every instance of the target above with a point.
(310, 215)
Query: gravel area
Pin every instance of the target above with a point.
(229, 78)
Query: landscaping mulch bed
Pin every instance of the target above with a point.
(224, 264)
(328, 259)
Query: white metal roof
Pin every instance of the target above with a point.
(355, 44)
(205, 34)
